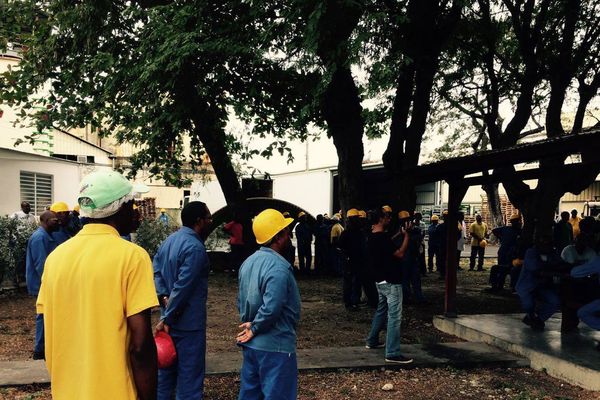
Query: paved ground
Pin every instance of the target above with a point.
(571, 357)
(457, 355)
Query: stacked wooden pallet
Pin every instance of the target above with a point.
(506, 206)
(147, 207)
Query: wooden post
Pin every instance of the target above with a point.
(456, 192)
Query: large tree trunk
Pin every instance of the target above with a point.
(341, 108)
(494, 206)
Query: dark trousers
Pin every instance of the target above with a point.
(268, 375)
(320, 257)
(186, 376)
(433, 252)
(368, 284)
(304, 256)
(498, 275)
(422, 264)
(476, 251)
(236, 256)
(351, 288)
(411, 279)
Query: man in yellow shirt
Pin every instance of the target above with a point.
(96, 294)
(574, 221)
(478, 231)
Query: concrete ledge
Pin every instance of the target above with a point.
(570, 357)
(457, 355)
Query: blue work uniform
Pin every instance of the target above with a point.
(589, 313)
(304, 238)
(181, 267)
(39, 246)
(61, 235)
(164, 218)
(268, 297)
(531, 288)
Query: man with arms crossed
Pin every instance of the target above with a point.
(96, 296)
(269, 305)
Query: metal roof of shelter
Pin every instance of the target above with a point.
(454, 171)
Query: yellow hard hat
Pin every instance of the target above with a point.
(162, 210)
(268, 223)
(483, 243)
(362, 213)
(517, 262)
(59, 206)
(435, 218)
(445, 212)
(76, 207)
(387, 209)
(353, 212)
(403, 214)
(301, 214)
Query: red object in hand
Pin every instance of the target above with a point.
(165, 348)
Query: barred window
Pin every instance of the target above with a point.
(36, 189)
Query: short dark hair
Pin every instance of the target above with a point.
(192, 212)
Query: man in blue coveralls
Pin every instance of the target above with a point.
(61, 234)
(539, 298)
(181, 268)
(269, 305)
(40, 244)
(589, 313)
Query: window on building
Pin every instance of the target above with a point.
(36, 189)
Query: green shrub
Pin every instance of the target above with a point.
(13, 247)
(151, 234)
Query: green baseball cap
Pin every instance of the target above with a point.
(101, 188)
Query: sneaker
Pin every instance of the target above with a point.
(375, 346)
(398, 360)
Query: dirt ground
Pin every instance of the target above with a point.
(415, 384)
(326, 323)
(324, 320)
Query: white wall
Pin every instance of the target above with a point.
(66, 177)
(309, 190)
(210, 193)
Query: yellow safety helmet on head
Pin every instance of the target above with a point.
(59, 206)
(483, 243)
(362, 213)
(162, 210)
(353, 212)
(403, 214)
(387, 209)
(434, 217)
(269, 223)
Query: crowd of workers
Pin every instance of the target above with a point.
(95, 291)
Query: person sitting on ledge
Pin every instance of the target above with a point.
(532, 287)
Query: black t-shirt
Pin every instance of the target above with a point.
(384, 265)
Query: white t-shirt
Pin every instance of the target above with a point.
(22, 217)
(570, 255)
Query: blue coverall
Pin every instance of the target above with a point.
(531, 287)
(40, 244)
(589, 313)
(181, 268)
(268, 297)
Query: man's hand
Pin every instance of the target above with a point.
(246, 334)
(161, 326)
